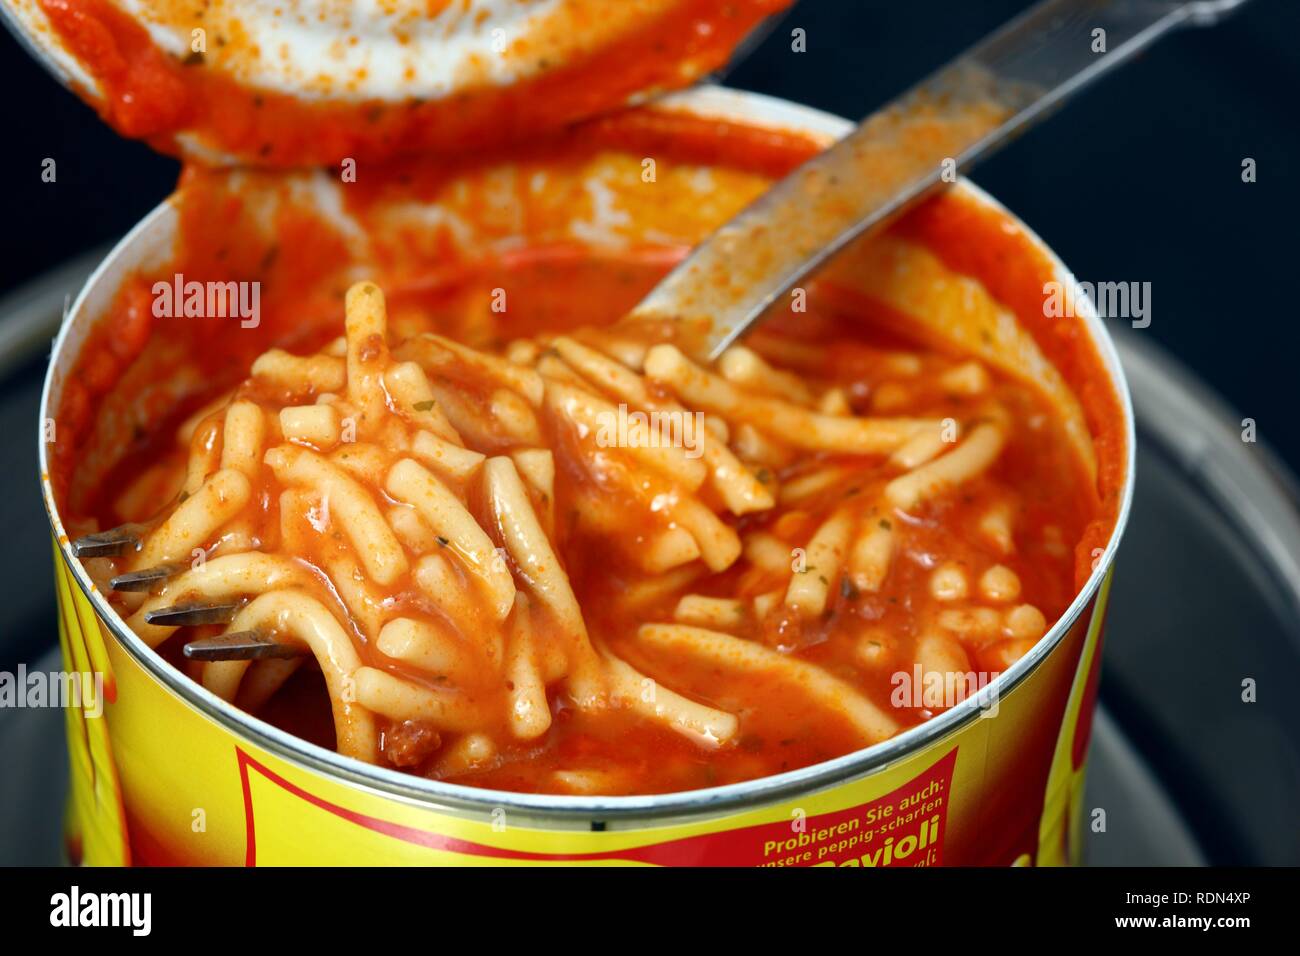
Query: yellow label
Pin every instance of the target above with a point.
(156, 780)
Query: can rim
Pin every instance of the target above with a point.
(717, 101)
(20, 17)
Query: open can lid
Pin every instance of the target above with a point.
(303, 82)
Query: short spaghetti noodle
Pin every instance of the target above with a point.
(582, 561)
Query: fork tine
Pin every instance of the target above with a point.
(107, 544)
(145, 579)
(191, 614)
(240, 646)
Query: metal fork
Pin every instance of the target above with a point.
(1028, 68)
(1025, 70)
(237, 646)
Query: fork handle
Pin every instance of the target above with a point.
(956, 117)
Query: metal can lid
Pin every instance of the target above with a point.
(304, 82)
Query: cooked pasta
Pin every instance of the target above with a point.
(583, 561)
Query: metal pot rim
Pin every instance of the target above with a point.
(579, 812)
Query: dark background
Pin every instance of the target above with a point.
(1138, 180)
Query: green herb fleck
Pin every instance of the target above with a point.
(425, 406)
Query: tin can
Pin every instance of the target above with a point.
(172, 774)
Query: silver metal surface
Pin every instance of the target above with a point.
(1144, 826)
(1196, 427)
(30, 316)
(241, 646)
(983, 99)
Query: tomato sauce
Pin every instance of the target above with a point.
(151, 95)
(1063, 514)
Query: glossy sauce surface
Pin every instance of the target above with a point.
(834, 344)
(844, 341)
(240, 97)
